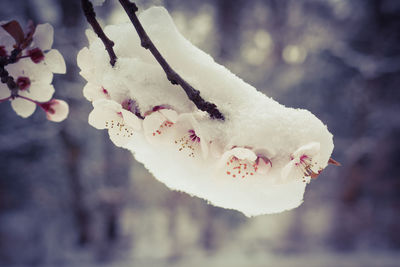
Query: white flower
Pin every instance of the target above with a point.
(56, 110)
(303, 163)
(33, 72)
(121, 123)
(163, 126)
(40, 51)
(32, 85)
(242, 162)
(157, 124)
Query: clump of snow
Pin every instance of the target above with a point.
(258, 161)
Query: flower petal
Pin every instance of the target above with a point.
(22, 107)
(152, 122)
(55, 61)
(170, 114)
(104, 110)
(93, 92)
(41, 92)
(117, 138)
(43, 36)
(131, 120)
(60, 110)
(244, 153)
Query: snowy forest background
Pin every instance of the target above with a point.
(69, 197)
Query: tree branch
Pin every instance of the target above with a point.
(4, 75)
(173, 77)
(90, 15)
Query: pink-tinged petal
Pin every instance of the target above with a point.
(55, 61)
(43, 36)
(22, 107)
(94, 92)
(4, 91)
(41, 92)
(131, 120)
(57, 110)
(170, 114)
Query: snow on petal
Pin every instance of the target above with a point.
(22, 107)
(43, 36)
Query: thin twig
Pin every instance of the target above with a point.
(91, 18)
(173, 77)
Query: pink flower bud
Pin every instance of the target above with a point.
(36, 55)
(56, 110)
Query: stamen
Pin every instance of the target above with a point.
(189, 143)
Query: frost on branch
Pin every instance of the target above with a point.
(27, 67)
(258, 161)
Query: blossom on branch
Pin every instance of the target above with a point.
(254, 161)
(29, 62)
(121, 123)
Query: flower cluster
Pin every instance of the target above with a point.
(28, 61)
(257, 161)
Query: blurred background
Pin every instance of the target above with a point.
(69, 197)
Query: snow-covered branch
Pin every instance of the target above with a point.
(90, 15)
(173, 77)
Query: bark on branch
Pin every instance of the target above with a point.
(90, 15)
(173, 77)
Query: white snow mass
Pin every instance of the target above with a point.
(258, 161)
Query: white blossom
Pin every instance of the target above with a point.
(33, 72)
(121, 123)
(303, 163)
